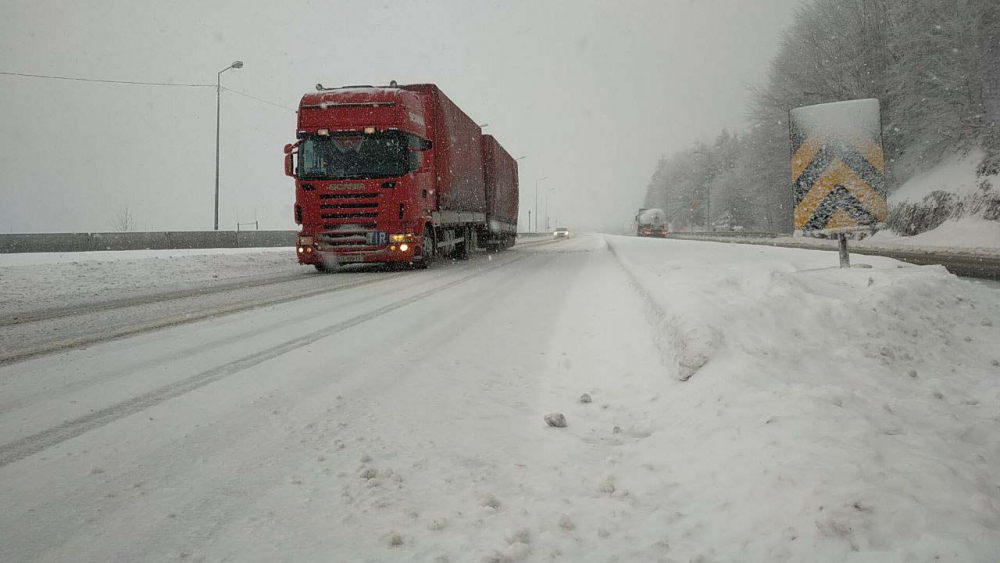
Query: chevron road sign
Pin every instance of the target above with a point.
(838, 168)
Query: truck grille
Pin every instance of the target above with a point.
(371, 215)
(373, 195)
(347, 217)
(344, 240)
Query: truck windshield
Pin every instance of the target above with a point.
(353, 155)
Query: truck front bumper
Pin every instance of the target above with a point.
(316, 254)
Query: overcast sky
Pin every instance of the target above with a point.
(592, 92)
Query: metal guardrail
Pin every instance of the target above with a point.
(163, 240)
(970, 264)
(726, 234)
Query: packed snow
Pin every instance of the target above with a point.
(716, 403)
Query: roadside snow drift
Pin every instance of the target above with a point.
(833, 414)
(50, 279)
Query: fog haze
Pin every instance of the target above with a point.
(591, 93)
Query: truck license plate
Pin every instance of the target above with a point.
(349, 258)
(376, 237)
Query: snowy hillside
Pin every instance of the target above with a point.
(948, 206)
(955, 174)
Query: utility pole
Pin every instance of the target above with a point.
(218, 123)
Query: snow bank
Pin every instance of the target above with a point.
(967, 232)
(46, 280)
(35, 258)
(836, 415)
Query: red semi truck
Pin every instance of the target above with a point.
(396, 174)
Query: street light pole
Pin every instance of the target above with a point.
(218, 123)
(536, 200)
(547, 227)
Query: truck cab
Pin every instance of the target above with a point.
(396, 174)
(364, 180)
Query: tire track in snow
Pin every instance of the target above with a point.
(25, 447)
(184, 318)
(8, 404)
(26, 317)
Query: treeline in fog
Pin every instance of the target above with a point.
(933, 64)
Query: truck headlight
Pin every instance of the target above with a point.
(305, 241)
(406, 237)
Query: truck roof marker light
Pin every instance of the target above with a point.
(369, 130)
(323, 132)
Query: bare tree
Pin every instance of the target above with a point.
(990, 24)
(123, 221)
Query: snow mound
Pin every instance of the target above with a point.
(841, 415)
(685, 342)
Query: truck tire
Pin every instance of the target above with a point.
(426, 250)
(464, 250)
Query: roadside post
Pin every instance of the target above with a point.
(838, 170)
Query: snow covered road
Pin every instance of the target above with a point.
(401, 419)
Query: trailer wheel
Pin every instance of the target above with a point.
(464, 249)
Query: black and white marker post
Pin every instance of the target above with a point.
(845, 256)
(841, 233)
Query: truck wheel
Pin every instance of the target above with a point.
(426, 250)
(324, 268)
(464, 249)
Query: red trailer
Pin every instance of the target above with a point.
(500, 174)
(396, 174)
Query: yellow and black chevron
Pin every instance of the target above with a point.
(838, 178)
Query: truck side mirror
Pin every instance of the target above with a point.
(413, 160)
(289, 162)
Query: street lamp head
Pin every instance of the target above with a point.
(237, 64)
